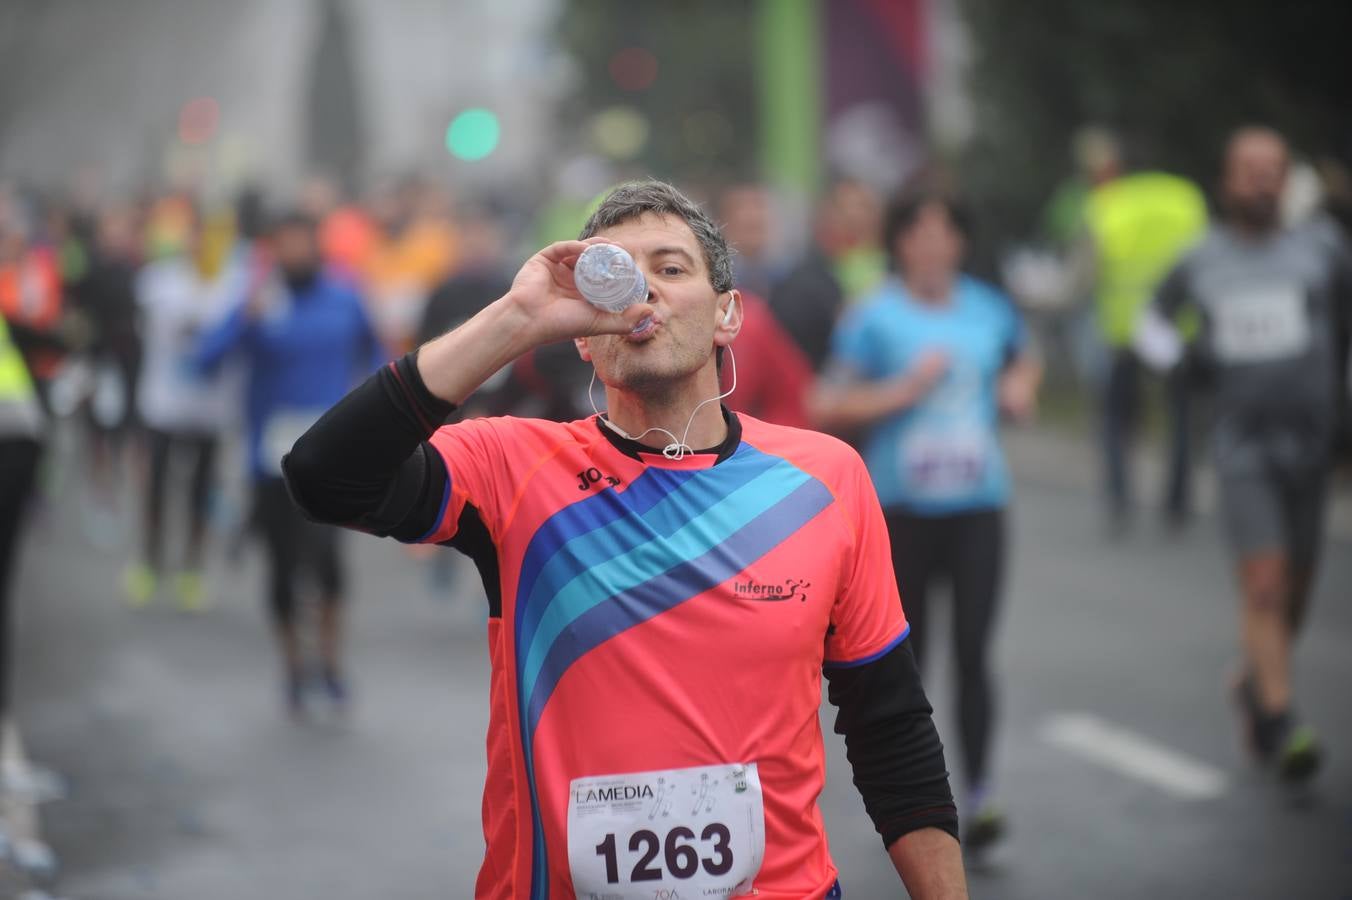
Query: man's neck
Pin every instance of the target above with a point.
(636, 413)
(1253, 232)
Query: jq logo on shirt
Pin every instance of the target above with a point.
(661, 834)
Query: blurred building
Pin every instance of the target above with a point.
(143, 89)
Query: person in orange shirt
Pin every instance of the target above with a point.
(30, 295)
(347, 236)
(413, 252)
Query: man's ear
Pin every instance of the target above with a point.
(730, 319)
(582, 349)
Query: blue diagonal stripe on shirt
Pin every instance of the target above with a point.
(611, 560)
(632, 606)
(583, 517)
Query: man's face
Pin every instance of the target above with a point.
(297, 249)
(857, 215)
(117, 233)
(746, 219)
(1255, 175)
(686, 309)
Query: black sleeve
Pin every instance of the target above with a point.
(892, 745)
(366, 465)
(1173, 292)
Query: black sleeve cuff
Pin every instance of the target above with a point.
(944, 818)
(892, 745)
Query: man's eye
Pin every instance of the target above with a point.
(670, 270)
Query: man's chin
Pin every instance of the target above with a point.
(1257, 216)
(641, 379)
(648, 376)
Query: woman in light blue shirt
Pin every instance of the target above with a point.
(921, 373)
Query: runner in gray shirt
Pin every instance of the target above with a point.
(1269, 299)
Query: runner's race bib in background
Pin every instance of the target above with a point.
(280, 433)
(944, 461)
(1260, 324)
(697, 832)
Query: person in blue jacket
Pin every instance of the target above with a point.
(920, 373)
(306, 339)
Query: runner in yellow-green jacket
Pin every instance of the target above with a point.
(1139, 224)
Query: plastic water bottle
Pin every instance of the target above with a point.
(608, 277)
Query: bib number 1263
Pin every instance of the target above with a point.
(702, 827)
(678, 852)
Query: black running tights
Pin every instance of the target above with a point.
(967, 551)
(18, 474)
(296, 548)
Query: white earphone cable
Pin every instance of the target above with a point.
(677, 449)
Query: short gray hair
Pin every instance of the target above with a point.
(634, 198)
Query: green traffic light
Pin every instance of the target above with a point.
(473, 134)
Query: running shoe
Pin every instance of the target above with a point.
(139, 583)
(1300, 755)
(335, 687)
(1250, 715)
(34, 858)
(986, 827)
(191, 589)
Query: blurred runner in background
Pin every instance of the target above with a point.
(305, 338)
(105, 296)
(1139, 224)
(346, 233)
(925, 367)
(481, 277)
(1270, 300)
(747, 217)
(809, 298)
(21, 421)
(184, 412)
(30, 291)
(774, 376)
(413, 251)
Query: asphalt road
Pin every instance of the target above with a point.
(1117, 759)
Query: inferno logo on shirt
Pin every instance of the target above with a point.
(772, 593)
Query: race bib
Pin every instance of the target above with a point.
(1261, 324)
(945, 462)
(697, 832)
(280, 433)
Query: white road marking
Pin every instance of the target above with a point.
(1135, 756)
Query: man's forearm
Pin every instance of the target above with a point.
(454, 365)
(930, 864)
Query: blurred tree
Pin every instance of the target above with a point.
(684, 68)
(1171, 78)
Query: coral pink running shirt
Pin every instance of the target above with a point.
(663, 628)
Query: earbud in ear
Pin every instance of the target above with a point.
(727, 315)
